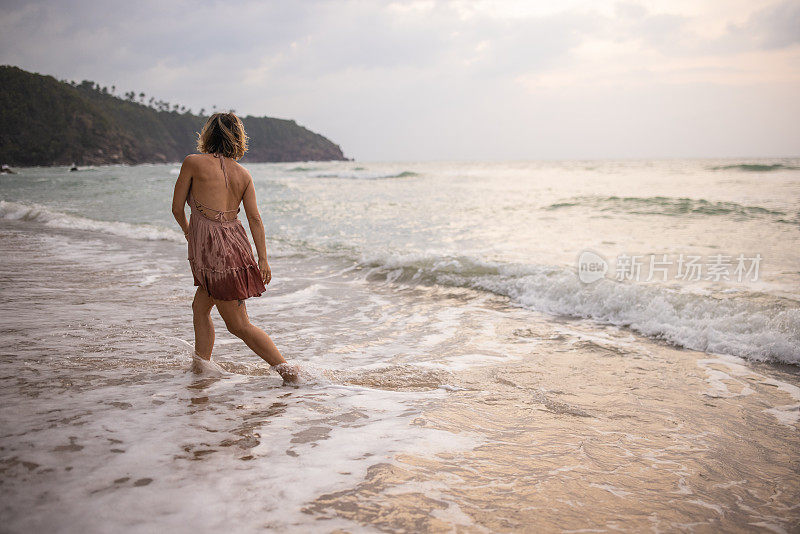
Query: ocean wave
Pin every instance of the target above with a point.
(356, 173)
(36, 213)
(362, 175)
(751, 326)
(56, 219)
(755, 167)
(664, 206)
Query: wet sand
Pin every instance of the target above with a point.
(491, 418)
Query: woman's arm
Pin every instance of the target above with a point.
(256, 228)
(181, 192)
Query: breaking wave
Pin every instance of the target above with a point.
(755, 167)
(665, 206)
(355, 173)
(756, 327)
(56, 219)
(362, 175)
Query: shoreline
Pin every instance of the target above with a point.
(384, 271)
(427, 407)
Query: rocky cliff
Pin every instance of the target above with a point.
(44, 121)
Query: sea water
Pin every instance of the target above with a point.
(464, 368)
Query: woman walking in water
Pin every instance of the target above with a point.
(222, 262)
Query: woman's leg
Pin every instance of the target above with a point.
(234, 313)
(203, 326)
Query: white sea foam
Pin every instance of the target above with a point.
(737, 325)
(56, 219)
(758, 329)
(208, 368)
(144, 231)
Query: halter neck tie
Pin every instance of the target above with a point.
(222, 164)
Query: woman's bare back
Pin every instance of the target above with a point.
(209, 184)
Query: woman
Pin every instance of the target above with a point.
(222, 262)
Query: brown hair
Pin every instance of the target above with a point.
(223, 134)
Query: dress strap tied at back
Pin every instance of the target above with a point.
(222, 164)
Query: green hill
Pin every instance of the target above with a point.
(44, 121)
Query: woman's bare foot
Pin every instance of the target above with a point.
(203, 366)
(290, 372)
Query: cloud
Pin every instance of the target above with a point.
(410, 78)
(776, 26)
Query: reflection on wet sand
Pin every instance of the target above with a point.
(571, 441)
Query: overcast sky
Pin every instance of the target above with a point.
(450, 80)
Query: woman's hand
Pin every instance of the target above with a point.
(266, 273)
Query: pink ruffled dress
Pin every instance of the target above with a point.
(219, 252)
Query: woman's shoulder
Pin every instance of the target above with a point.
(241, 168)
(201, 159)
(191, 159)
